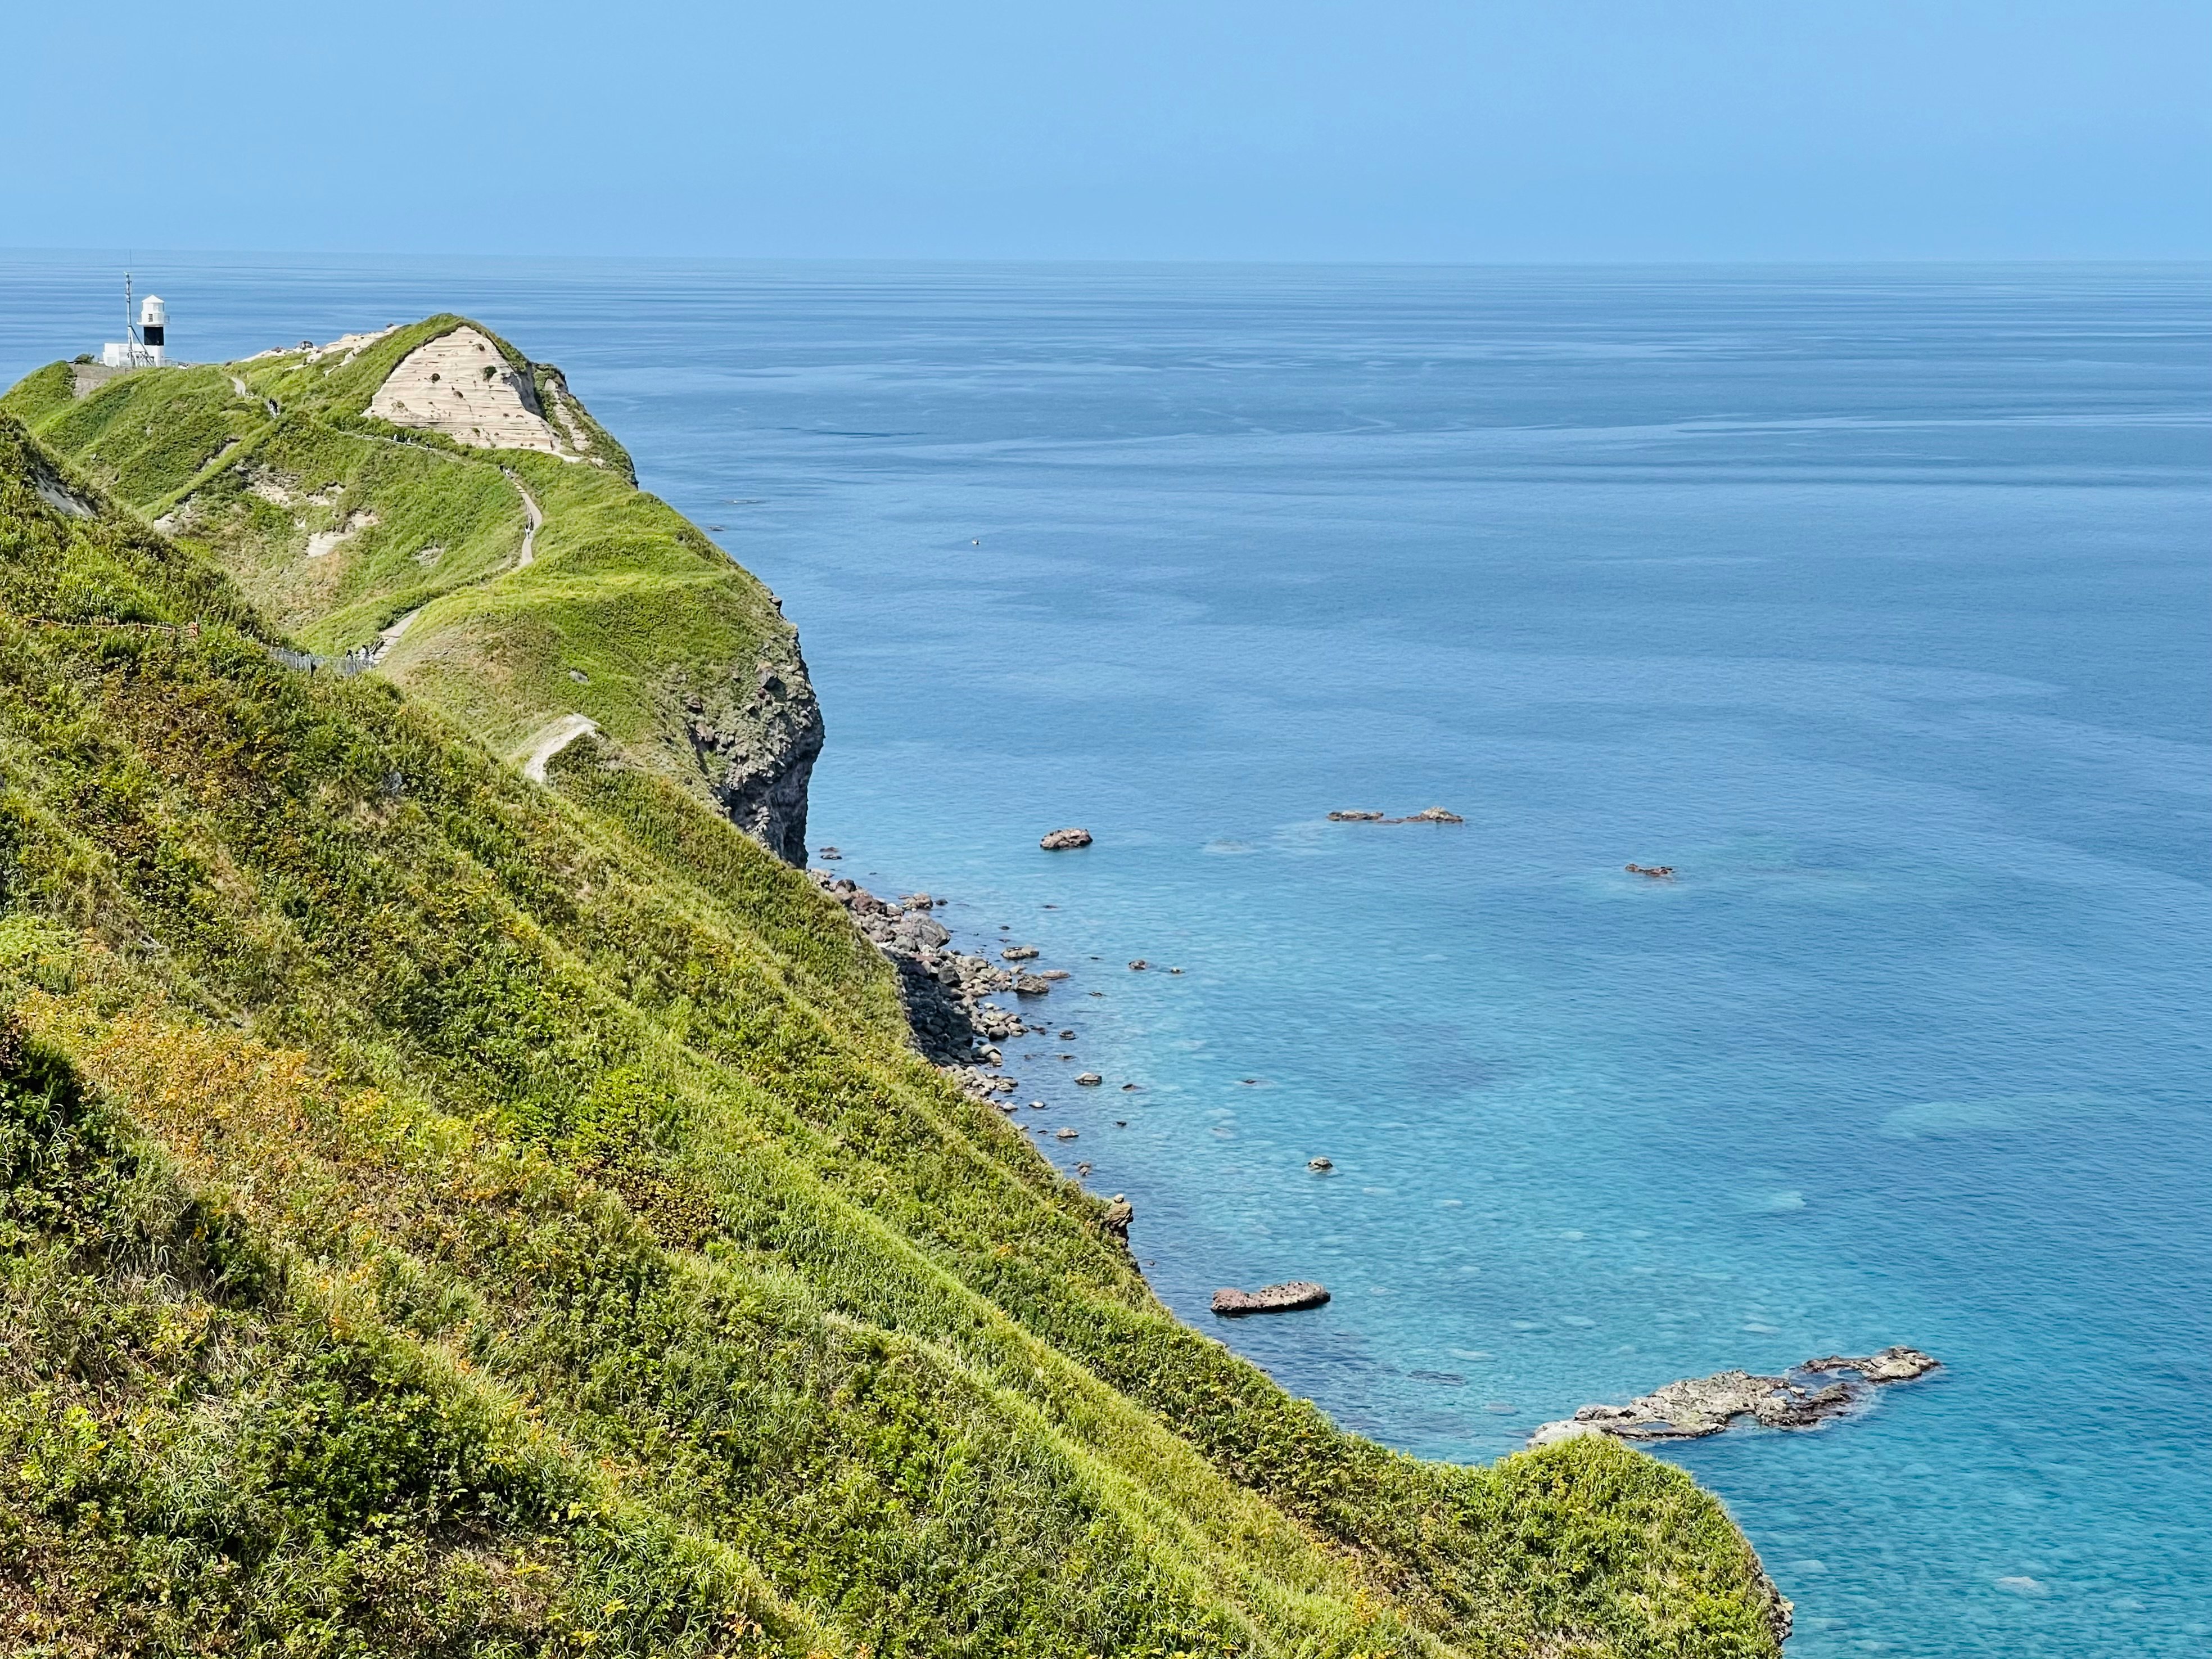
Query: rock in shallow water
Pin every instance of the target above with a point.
(1697, 1407)
(1060, 839)
(1288, 1298)
(1890, 1365)
(1426, 815)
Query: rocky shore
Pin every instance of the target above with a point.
(944, 989)
(1803, 1398)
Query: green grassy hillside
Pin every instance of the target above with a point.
(338, 525)
(441, 1213)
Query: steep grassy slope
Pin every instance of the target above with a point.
(444, 1214)
(340, 525)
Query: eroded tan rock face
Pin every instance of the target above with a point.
(460, 384)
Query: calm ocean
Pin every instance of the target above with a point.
(1878, 601)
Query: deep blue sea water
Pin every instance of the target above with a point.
(1876, 601)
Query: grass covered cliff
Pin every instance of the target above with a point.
(514, 587)
(446, 1213)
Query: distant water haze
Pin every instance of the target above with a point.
(1873, 601)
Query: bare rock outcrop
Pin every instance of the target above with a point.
(462, 385)
(58, 493)
(1060, 840)
(1697, 1407)
(756, 736)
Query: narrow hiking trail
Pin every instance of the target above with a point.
(535, 515)
(537, 520)
(389, 636)
(551, 740)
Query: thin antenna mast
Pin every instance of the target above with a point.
(130, 324)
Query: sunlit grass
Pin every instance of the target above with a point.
(444, 1214)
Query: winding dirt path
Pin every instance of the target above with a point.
(550, 741)
(389, 636)
(537, 520)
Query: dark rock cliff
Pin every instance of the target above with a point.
(756, 737)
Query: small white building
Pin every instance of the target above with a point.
(148, 347)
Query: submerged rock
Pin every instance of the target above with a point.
(1697, 1407)
(1290, 1296)
(1355, 818)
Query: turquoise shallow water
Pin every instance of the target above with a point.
(1875, 601)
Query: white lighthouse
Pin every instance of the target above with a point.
(145, 342)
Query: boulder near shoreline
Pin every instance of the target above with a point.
(1291, 1297)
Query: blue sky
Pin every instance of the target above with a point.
(1392, 130)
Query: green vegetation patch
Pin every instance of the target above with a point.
(449, 1214)
(338, 525)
